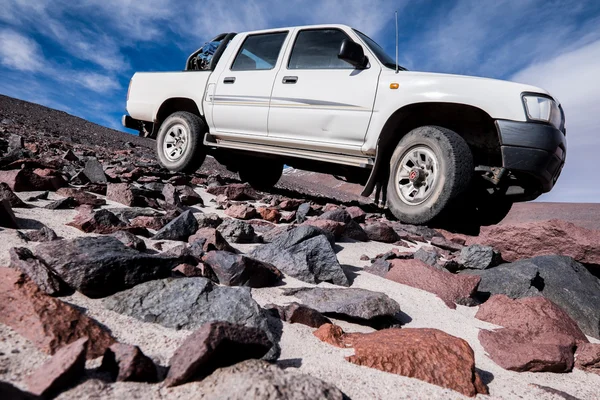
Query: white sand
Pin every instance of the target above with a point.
(301, 351)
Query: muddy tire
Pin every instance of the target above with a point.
(430, 166)
(179, 142)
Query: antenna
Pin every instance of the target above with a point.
(396, 41)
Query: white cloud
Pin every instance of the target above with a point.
(94, 81)
(572, 77)
(19, 52)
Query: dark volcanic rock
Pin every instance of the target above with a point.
(265, 381)
(25, 180)
(302, 212)
(355, 232)
(189, 303)
(339, 215)
(130, 240)
(181, 228)
(188, 196)
(61, 371)
(450, 288)
(415, 230)
(215, 345)
(43, 234)
(100, 266)
(427, 354)
(8, 391)
(304, 253)
(127, 363)
(7, 194)
(81, 197)
(429, 256)
(238, 270)
(560, 279)
(93, 171)
(45, 321)
(295, 313)
(210, 220)
(380, 232)
(7, 217)
(237, 231)
(333, 229)
(349, 303)
(444, 244)
(23, 259)
(479, 257)
(62, 204)
(380, 267)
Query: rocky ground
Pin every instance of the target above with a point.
(122, 280)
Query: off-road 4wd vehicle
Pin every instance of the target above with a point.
(327, 98)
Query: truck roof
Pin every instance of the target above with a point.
(284, 28)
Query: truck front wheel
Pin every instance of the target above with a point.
(179, 142)
(261, 174)
(430, 166)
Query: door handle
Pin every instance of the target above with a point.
(290, 79)
(229, 79)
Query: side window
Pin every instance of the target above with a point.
(318, 49)
(259, 52)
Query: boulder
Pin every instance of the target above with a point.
(61, 371)
(241, 211)
(427, 354)
(560, 279)
(531, 239)
(352, 303)
(120, 193)
(7, 217)
(189, 303)
(238, 270)
(477, 256)
(180, 228)
(265, 381)
(127, 363)
(211, 239)
(237, 231)
(587, 357)
(519, 350)
(101, 266)
(93, 171)
(45, 321)
(295, 313)
(215, 345)
(25, 180)
(380, 232)
(452, 289)
(22, 258)
(304, 253)
(7, 194)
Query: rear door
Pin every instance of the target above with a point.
(243, 89)
(318, 100)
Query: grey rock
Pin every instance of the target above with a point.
(181, 228)
(62, 204)
(560, 279)
(479, 257)
(7, 194)
(272, 234)
(304, 253)
(428, 256)
(93, 171)
(130, 240)
(101, 266)
(188, 303)
(302, 212)
(23, 259)
(128, 213)
(210, 220)
(355, 232)
(416, 230)
(236, 231)
(43, 234)
(339, 215)
(352, 303)
(265, 381)
(238, 270)
(15, 142)
(380, 267)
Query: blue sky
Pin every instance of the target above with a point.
(79, 56)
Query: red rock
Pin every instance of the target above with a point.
(155, 223)
(101, 221)
(127, 363)
(121, 193)
(519, 350)
(61, 371)
(295, 313)
(45, 172)
(189, 270)
(332, 334)
(335, 228)
(269, 214)
(235, 191)
(531, 314)
(7, 217)
(81, 197)
(330, 207)
(526, 240)
(45, 321)
(380, 232)
(241, 211)
(290, 204)
(213, 240)
(215, 345)
(356, 213)
(445, 244)
(449, 287)
(427, 354)
(171, 195)
(25, 180)
(587, 357)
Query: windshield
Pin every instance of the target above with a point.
(379, 52)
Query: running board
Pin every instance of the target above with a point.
(355, 161)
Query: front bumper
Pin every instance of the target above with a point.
(535, 150)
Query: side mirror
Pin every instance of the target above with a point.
(353, 53)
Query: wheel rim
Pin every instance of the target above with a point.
(417, 175)
(176, 142)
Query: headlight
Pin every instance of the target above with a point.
(542, 109)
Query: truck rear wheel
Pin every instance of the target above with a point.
(430, 166)
(261, 174)
(179, 142)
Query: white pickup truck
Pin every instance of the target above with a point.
(327, 98)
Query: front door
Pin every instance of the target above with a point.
(243, 90)
(319, 99)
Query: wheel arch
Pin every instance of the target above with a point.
(172, 105)
(473, 124)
